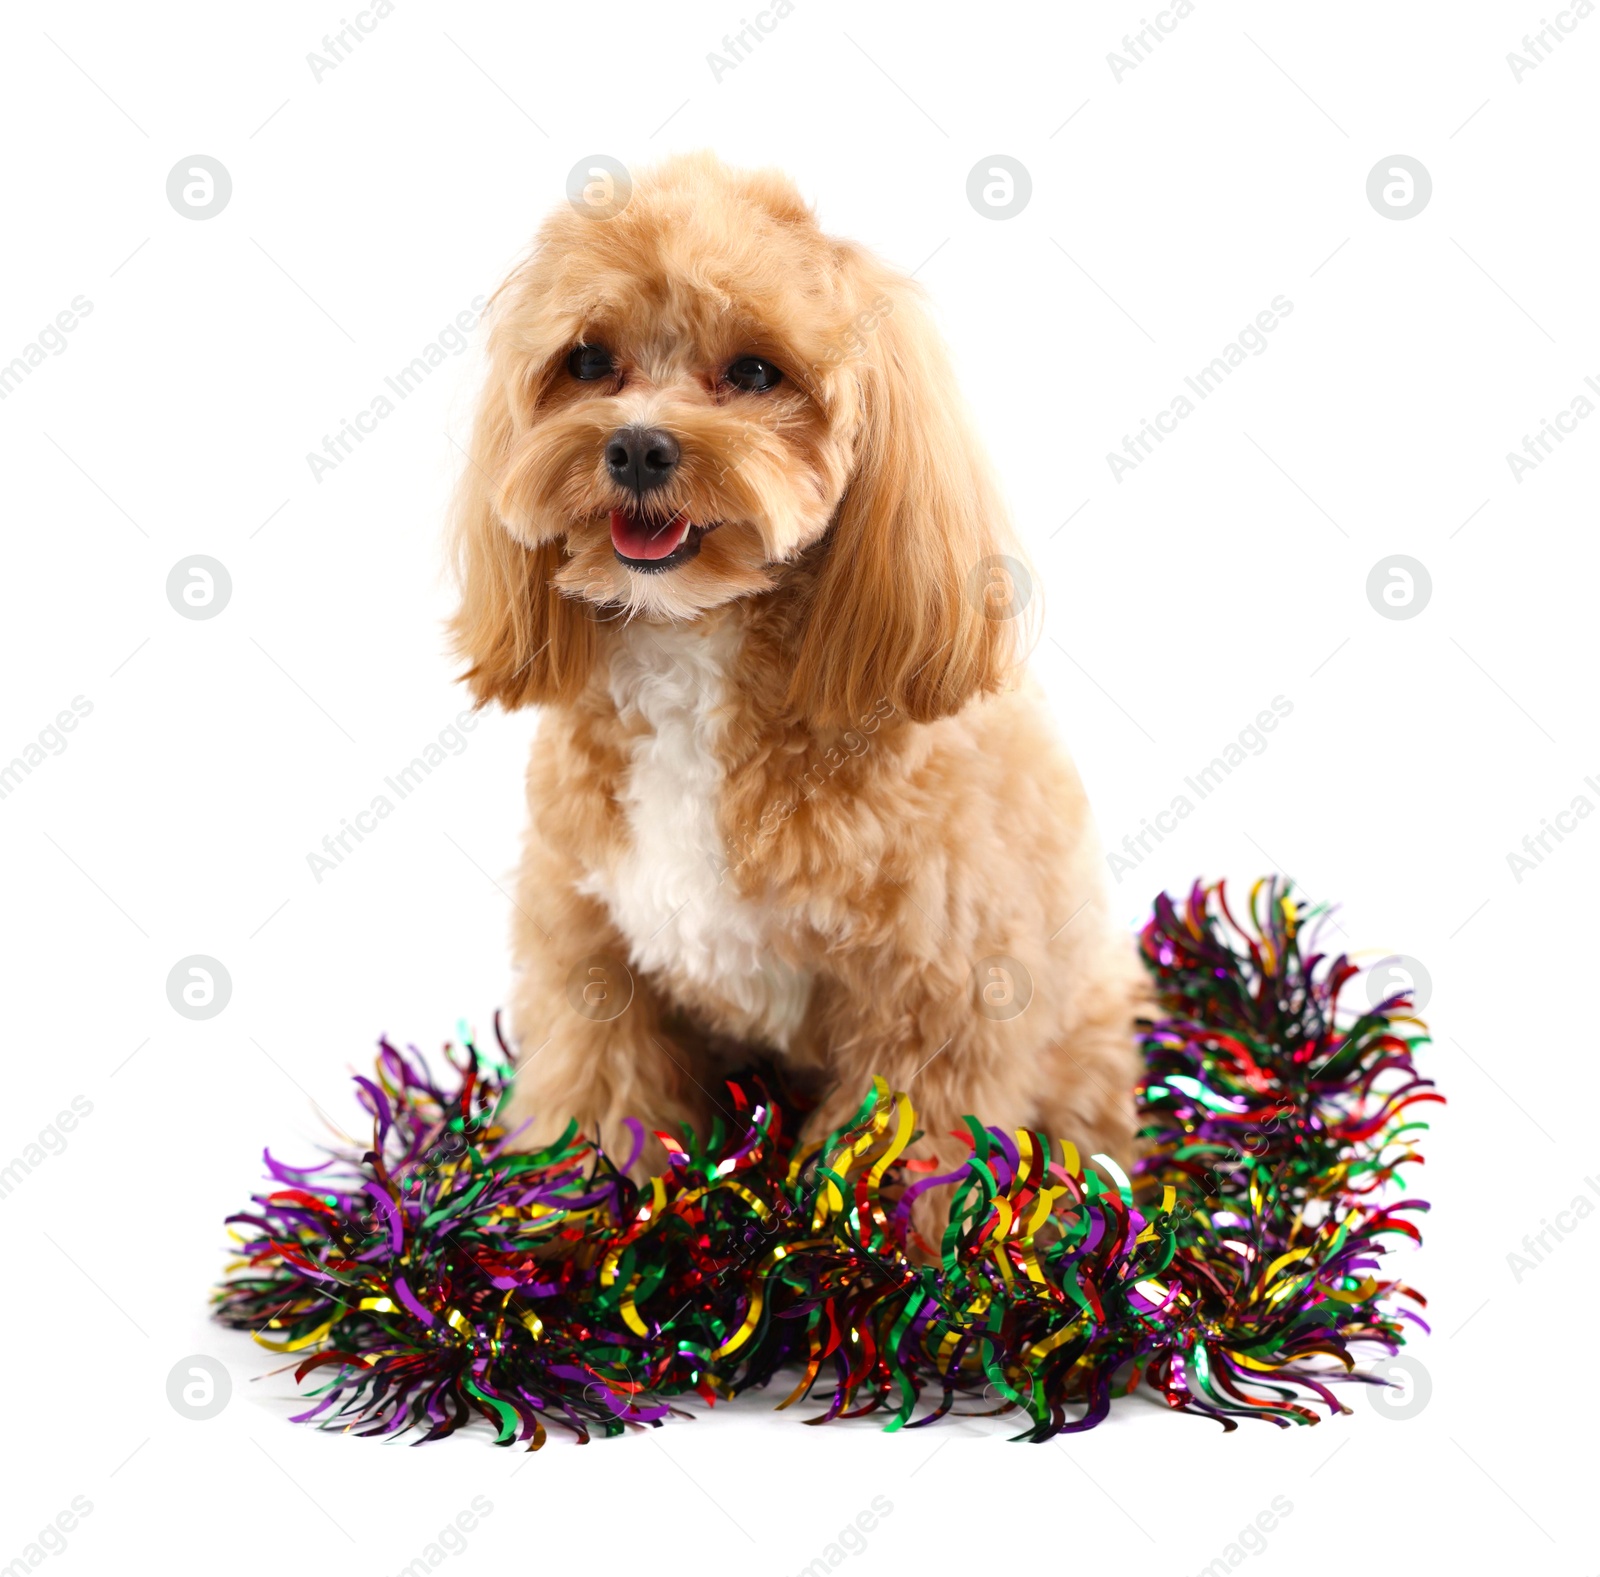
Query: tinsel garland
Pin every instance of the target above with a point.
(442, 1274)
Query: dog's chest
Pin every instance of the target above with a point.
(670, 893)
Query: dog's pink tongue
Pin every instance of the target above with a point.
(634, 538)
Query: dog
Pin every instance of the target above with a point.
(727, 522)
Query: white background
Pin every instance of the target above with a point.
(372, 206)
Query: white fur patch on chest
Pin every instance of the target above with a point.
(668, 893)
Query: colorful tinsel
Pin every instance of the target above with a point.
(442, 1274)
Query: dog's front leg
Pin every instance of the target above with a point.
(914, 1024)
(590, 1041)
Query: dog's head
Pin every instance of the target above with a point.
(701, 397)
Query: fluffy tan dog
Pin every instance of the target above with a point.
(726, 520)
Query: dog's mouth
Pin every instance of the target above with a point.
(653, 546)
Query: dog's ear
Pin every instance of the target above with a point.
(901, 614)
(524, 642)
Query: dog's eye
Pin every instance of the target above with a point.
(753, 374)
(589, 363)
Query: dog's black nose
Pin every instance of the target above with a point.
(642, 458)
